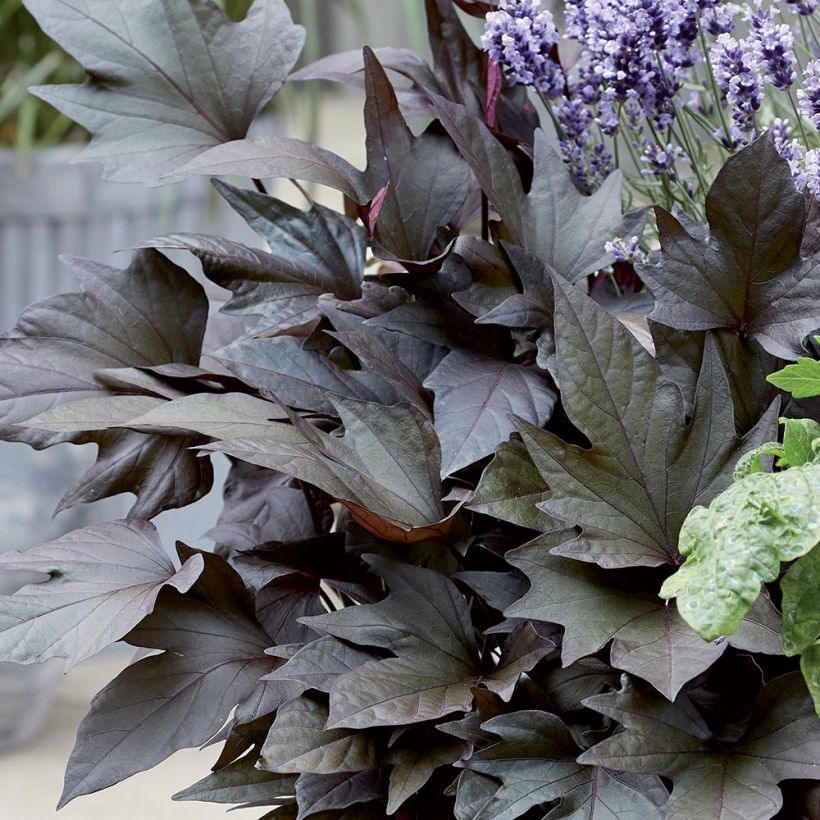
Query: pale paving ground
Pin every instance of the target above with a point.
(31, 778)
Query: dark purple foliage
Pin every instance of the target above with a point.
(467, 414)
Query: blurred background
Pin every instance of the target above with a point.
(49, 207)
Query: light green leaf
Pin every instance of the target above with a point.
(799, 436)
(801, 379)
(737, 543)
(810, 667)
(801, 603)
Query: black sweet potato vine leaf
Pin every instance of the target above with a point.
(425, 622)
(613, 391)
(311, 253)
(212, 658)
(86, 346)
(167, 80)
(103, 581)
(713, 778)
(748, 273)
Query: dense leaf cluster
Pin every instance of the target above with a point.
(460, 465)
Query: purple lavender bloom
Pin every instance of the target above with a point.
(660, 160)
(790, 149)
(625, 250)
(804, 7)
(736, 75)
(719, 18)
(520, 36)
(809, 95)
(588, 163)
(575, 19)
(622, 37)
(812, 177)
(608, 118)
(773, 46)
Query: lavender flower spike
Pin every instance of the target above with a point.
(790, 149)
(809, 95)
(519, 36)
(804, 7)
(736, 75)
(812, 178)
(625, 250)
(773, 46)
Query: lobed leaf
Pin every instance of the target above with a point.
(475, 399)
(649, 639)
(167, 80)
(748, 273)
(212, 658)
(613, 391)
(712, 778)
(103, 580)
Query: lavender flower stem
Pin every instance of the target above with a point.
(799, 118)
(545, 101)
(713, 84)
(810, 23)
(628, 138)
(705, 125)
(689, 150)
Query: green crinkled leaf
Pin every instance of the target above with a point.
(799, 436)
(801, 379)
(810, 667)
(712, 778)
(801, 603)
(613, 391)
(737, 544)
(168, 79)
